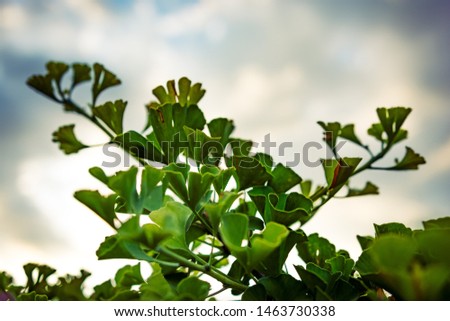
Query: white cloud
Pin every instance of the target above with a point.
(12, 16)
(437, 163)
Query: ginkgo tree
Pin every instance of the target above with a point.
(214, 208)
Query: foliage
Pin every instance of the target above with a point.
(217, 209)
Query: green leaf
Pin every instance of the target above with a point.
(137, 145)
(369, 189)
(337, 172)
(42, 84)
(305, 187)
(106, 291)
(161, 94)
(118, 245)
(192, 288)
(322, 273)
(5, 280)
(392, 120)
(348, 132)
(433, 245)
(249, 172)
(215, 211)
(310, 279)
(99, 174)
(281, 288)
(168, 122)
(154, 234)
(103, 206)
(341, 264)
(323, 285)
(70, 288)
(392, 228)
(202, 148)
(103, 79)
(184, 86)
(188, 95)
(388, 253)
(37, 276)
(273, 265)
(67, 140)
(173, 219)
(410, 265)
(32, 296)
(196, 94)
(376, 130)
(265, 160)
(411, 160)
(194, 118)
(284, 178)
(81, 73)
(316, 249)
(129, 275)
(111, 114)
(198, 186)
(331, 133)
(364, 241)
(439, 223)
(175, 178)
(401, 135)
(157, 288)
(234, 231)
(248, 208)
(239, 147)
(285, 209)
(56, 70)
(221, 176)
(164, 128)
(221, 127)
(151, 195)
(124, 184)
(256, 292)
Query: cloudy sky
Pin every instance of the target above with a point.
(275, 67)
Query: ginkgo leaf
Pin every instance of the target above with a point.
(348, 132)
(331, 133)
(103, 206)
(283, 178)
(103, 79)
(368, 189)
(411, 160)
(337, 172)
(81, 73)
(392, 119)
(67, 140)
(111, 113)
(249, 172)
(250, 252)
(56, 70)
(42, 84)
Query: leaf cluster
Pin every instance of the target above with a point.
(213, 207)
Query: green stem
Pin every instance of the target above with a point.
(204, 222)
(212, 251)
(367, 165)
(93, 119)
(224, 279)
(217, 292)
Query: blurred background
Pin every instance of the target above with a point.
(275, 67)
